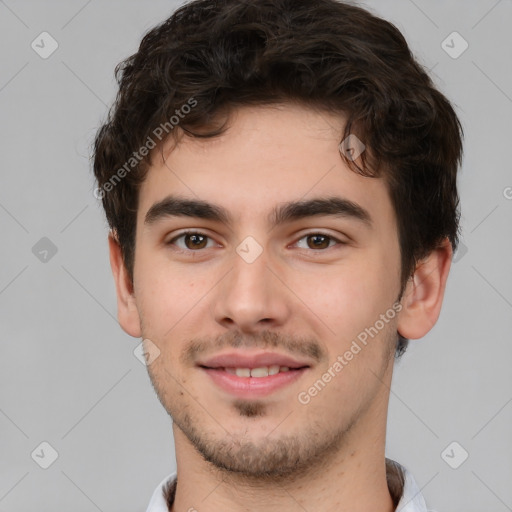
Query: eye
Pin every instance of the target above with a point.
(318, 241)
(191, 241)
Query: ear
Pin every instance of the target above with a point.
(127, 312)
(423, 295)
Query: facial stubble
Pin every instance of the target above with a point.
(275, 457)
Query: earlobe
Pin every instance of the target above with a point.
(423, 296)
(127, 312)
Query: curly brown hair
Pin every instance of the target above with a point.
(212, 56)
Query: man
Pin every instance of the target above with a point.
(280, 182)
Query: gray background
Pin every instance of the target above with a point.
(68, 374)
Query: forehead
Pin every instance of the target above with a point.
(267, 156)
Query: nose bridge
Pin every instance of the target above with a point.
(250, 293)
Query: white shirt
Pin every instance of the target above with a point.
(411, 501)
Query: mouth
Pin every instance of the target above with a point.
(260, 381)
(250, 374)
(258, 373)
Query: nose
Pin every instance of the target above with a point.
(251, 297)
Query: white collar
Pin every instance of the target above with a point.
(157, 502)
(412, 499)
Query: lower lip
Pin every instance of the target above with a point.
(253, 386)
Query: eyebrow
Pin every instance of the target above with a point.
(174, 206)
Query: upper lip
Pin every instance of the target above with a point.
(244, 360)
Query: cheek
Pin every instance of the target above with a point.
(161, 295)
(335, 300)
(171, 298)
(344, 302)
(345, 295)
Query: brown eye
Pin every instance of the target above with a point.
(191, 241)
(195, 241)
(318, 241)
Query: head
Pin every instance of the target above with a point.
(249, 106)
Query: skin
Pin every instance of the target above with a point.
(274, 453)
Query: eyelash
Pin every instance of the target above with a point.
(313, 233)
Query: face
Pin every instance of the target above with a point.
(270, 283)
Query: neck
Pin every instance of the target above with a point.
(353, 478)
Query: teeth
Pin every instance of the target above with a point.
(272, 370)
(260, 372)
(242, 372)
(263, 371)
